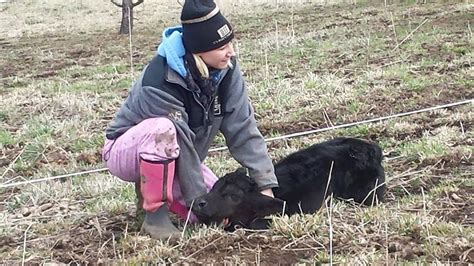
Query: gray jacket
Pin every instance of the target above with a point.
(160, 91)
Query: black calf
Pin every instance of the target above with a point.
(353, 165)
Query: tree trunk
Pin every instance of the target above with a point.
(127, 17)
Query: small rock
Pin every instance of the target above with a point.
(46, 206)
(392, 248)
(25, 212)
(456, 197)
(408, 254)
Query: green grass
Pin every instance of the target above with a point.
(361, 131)
(36, 129)
(423, 149)
(83, 143)
(334, 60)
(458, 48)
(6, 138)
(407, 78)
(297, 226)
(468, 83)
(408, 224)
(113, 69)
(371, 215)
(3, 116)
(354, 107)
(15, 83)
(32, 152)
(116, 201)
(445, 187)
(17, 202)
(444, 229)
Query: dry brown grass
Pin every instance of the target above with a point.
(65, 72)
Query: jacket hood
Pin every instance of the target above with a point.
(172, 49)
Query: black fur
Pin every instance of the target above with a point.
(353, 164)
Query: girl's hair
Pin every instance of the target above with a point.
(202, 67)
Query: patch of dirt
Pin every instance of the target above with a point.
(408, 180)
(457, 206)
(6, 242)
(97, 238)
(252, 248)
(8, 155)
(90, 240)
(55, 157)
(458, 253)
(4, 161)
(37, 57)
(448, 161)
(451, 17)
(413, 187)
(101, 236)
(6, 195)
(410, 248)
(380, 105)
(90, 157)
(405, 247)
(399, 101)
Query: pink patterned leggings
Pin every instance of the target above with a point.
(153, 139)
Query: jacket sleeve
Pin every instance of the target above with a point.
(245, 142)
(153, 102)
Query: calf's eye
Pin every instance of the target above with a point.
(234, 197)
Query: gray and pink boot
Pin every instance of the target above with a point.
(156, 185)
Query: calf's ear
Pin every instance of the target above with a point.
(264, 205)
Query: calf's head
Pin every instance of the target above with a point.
(235, 197)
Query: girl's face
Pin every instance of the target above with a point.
(218, 58)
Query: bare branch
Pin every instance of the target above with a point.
(115, 3)
(137, 3)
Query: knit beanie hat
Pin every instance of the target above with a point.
(204, 27)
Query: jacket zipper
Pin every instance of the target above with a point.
(206, 112)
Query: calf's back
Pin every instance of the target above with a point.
(352, 167)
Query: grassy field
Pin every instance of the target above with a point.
(308, 64)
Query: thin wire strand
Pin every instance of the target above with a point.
(53, 177)
(130, 21)
(299, 134)
(379, 119)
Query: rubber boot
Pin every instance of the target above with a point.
(156, 189)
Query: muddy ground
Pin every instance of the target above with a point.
(106, 237)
